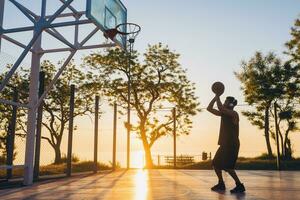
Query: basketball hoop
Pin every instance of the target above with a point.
(130, 30)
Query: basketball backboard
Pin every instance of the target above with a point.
(107, 14)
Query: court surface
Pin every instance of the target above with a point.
(161, 184)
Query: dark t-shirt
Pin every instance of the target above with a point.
(229, 131)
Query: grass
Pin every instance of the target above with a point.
(252, 164)
(52, 169)
(258, 163)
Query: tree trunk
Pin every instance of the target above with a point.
(282, 144)
(288, 150)
(57, 159)
(267, 132)
(287, 147)
(148, 156)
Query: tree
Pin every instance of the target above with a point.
(287, 79)
(293, 50)
(17, 82)
(56, 105)
(157, 82)
(265, 80)
(259, 90)
(293, 45)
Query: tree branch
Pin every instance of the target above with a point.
(50, 132)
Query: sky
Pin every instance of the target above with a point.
(212, 37)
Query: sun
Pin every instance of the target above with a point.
(138, 160)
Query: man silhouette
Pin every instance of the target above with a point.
(227, 154)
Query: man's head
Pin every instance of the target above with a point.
(230, 102)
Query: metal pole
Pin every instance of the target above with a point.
(174, 135)
(32, 112)
(277, 137)
(114, 136)
(128, 108)
(70, 137)
(39, 129)
(11, 135)
(96, 134)
(1, 18)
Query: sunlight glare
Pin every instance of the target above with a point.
(141, 184)
(138, 160)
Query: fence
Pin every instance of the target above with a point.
(181, 159)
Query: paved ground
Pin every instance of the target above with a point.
(161, 184)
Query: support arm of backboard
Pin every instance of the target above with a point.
(76, 34)
(79, 48)
(70, 23)
(28, 47)
(29, 11)
(43, 10)
(67, 14)
(89, 36)
(20, 59)
(70, 7)
(15, 42)
(49, 87)
(61, 38)
(59, 11)
(55, 25)
(16, 30)
(24, 10)
(1, 19)
(96, 46)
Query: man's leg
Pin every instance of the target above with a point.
(219, 175)
(220, 186)
(233, 174)
(239, 186)
(217, 161)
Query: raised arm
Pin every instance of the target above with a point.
(210, 107)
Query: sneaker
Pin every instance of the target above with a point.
(240, 188)
(218, 187)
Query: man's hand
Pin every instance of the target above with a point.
(210, 107)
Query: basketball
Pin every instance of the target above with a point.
(218, 88)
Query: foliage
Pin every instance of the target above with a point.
(74, 158)
(258, 82)
(18, 84)
(252, 164)
(156, 83)
(293, 45)
(259, 89)
(265, 80)
(56, 106)
(59, 169)
(264, 156)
